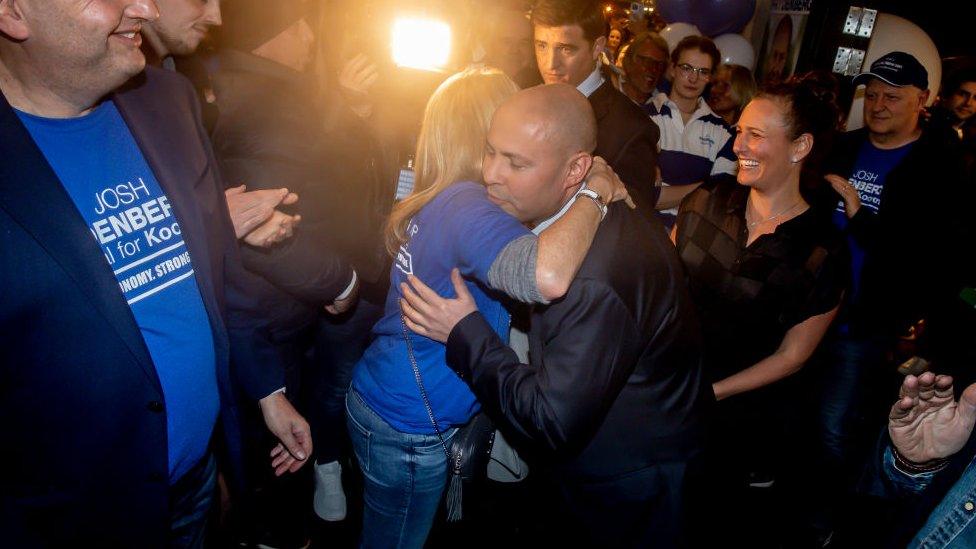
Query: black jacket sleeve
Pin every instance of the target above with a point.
(561, 399)
(306, 266)
(302, 266)
(636, 165)
(255, 365)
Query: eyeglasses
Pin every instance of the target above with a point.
(687, 70)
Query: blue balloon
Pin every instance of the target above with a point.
(677, 11)
(716, 17)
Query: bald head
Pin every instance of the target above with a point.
(561, 113)
(538, 150)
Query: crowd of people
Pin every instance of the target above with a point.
(620, 295)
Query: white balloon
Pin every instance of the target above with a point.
(893, 33)
(736, 50)
(674, 32)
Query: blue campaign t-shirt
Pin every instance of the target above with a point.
(130, 217)
(868, 176)
(459, 228)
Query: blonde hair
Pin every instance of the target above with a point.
(742, 86)
(452, 141)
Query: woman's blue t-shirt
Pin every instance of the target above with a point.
(459, 228)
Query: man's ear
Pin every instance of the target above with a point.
(923, 98)
(598, 45)
(13, 25)
(579, 166)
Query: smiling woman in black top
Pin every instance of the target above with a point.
(765, 272)
(767, 275)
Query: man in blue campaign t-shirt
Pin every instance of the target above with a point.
(868, 177)
(133, 222)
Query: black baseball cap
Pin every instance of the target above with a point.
(898, 69)
(247, 24)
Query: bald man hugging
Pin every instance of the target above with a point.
(612, 406)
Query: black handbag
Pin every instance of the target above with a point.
(470, 447)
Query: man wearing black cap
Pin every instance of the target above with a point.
(271, 131)
(898, 184)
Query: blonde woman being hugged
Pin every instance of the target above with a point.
(450, 221)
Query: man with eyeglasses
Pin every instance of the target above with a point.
(644, 64)
(695, 142)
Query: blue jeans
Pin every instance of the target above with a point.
(849, 371)
(191, 498)
(847, 364)
(403, 476)
(339, 344)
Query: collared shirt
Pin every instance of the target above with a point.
(646, 105)
(749, 296)
(690, 152)
(548, 222)
(592, 82)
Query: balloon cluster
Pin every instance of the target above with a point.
(721, 19)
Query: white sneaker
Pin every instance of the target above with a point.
(329, 501)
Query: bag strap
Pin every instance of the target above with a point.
(423, 391)
(453, 461)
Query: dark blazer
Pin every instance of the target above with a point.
(84, 463)
(627, 139)
(615, 382)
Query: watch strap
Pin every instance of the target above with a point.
(595, 197)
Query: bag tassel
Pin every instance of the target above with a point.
(454, 492)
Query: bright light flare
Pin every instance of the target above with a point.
(421, 43)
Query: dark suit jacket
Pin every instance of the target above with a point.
(84, 463)
(627, 139)
(616, 382)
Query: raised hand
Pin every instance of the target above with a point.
(431, 315)
(356, 78)
(926, 422)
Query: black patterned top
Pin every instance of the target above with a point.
(748, 297)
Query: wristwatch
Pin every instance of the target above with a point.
(595, 197)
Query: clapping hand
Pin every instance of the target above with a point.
(847, 192)
(255, 218)
(249, 209)
(927, 423)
